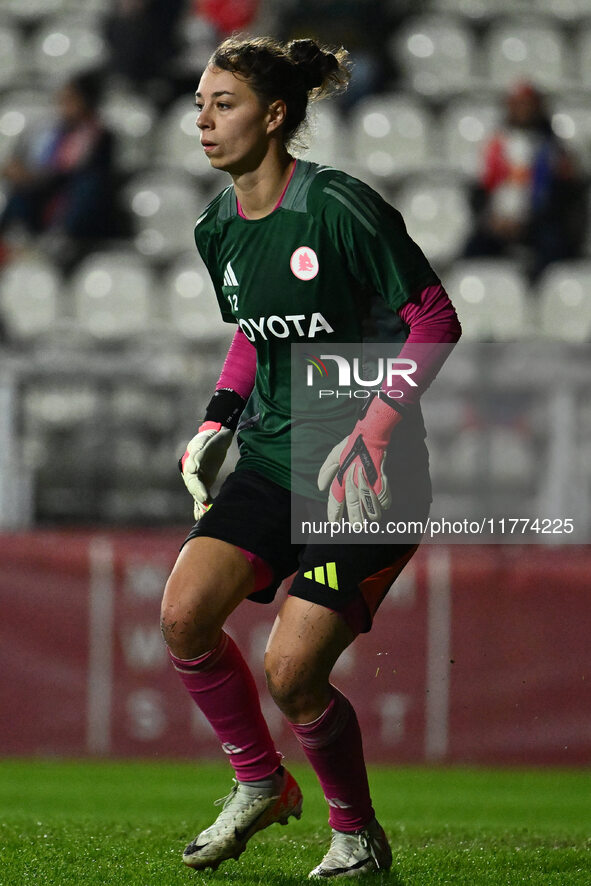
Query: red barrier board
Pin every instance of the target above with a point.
(479, 654)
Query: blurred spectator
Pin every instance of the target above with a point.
(528, 202)
(362, 26)
(60, 177)
(143, 38)
(227, 15)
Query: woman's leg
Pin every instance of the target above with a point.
(304, 645)
(306, 641)
(209, 580)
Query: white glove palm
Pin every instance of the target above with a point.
(202, 461)
(353, 471)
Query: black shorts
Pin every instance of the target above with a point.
(254, 513)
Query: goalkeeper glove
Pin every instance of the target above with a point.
(353, 471)
(207, 450)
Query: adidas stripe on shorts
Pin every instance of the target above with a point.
(254, 513)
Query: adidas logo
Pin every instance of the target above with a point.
(324, 575)
(338, 804)
(230, 276)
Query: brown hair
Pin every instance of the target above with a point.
(296, 72)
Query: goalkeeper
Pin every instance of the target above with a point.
(297, 253)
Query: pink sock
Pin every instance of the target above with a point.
(222, 687)
(333, 746)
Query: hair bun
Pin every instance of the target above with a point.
(314, 63)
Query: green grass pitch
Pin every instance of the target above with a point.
(124, 823)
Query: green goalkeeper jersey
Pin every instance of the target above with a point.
(307, 273)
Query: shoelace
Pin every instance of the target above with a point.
(226, 801)
(223, 801)
(367, 844)
(343, 845)
(341, 848)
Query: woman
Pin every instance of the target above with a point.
(295, 252)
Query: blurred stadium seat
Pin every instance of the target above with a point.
(481, 10)
(164, 207)
(66, 45)
(112, 293)
(191, 302)
(131, 456)
(583, 48)
(437, 215)
(328, 136)
(527, 48)
(569, 11)
(137, 405)
(29, 298)
(59, 405)
(391, 135)
(471, 9)
(3, 195)
(21, 110)
(198, 38)
(133, 506)
(565, 302)
(491, 299)
(131, 117)
(436, 55)
(466, 124)
(177, 142)
(506, 451)
(12, 56)
(571, 121)
(60, 416)
(513, 461)
(32, 11)
(94, 7)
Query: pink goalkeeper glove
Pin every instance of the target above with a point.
(354, 469)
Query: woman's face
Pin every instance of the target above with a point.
(235, 127)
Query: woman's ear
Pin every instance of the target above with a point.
(277, 114)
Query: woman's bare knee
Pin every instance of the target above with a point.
(188, 628)
(282, 679)
(305, 642)
(209, 580)
(298, 692)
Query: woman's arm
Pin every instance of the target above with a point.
(239, 369)
(354, 470)
(207, 450)
(432, 320)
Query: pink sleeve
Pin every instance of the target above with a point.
(433, 321)
(431, 317)
(240, 365)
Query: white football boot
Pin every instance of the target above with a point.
(247, 809)
(353, 855)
